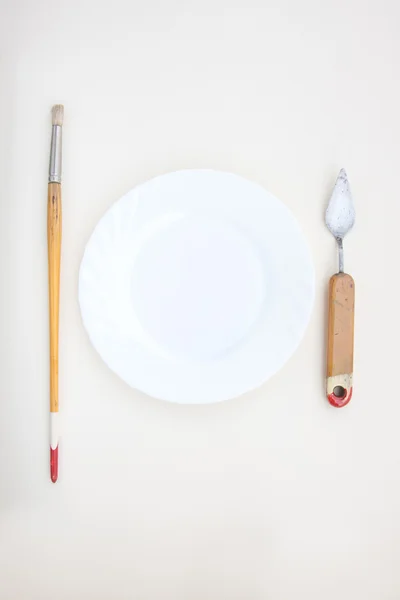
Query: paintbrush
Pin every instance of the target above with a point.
(54, 255)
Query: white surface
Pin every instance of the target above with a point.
(196, 286)
(272, 496)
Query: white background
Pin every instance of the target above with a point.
(271, 496)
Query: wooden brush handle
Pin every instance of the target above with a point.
(54, 249)
(339, 377)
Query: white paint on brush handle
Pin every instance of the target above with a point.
(54, 430)
(343, 380)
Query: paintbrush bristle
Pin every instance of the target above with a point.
(57, 114)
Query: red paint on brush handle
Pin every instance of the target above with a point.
(54, 464)
(339, 402)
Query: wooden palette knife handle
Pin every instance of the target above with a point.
(339, 378)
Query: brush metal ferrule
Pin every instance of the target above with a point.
(55, 155)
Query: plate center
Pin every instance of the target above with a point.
(197, 286)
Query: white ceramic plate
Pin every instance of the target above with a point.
(196, 286)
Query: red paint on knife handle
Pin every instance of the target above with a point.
(339, 401)
(54, 464)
